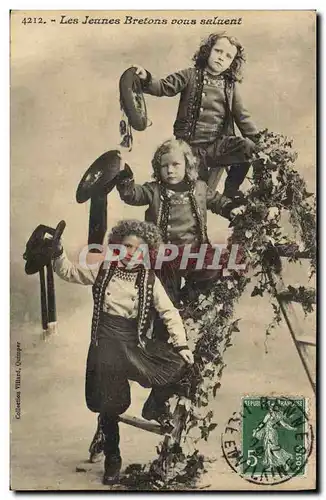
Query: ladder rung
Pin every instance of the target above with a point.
(141, 424)
(287, 296)
(306, 340)
(292, 250)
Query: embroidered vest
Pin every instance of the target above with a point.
(144, 282)
(164, 210)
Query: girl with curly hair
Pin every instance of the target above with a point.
(127, 299)
(177, 203)
(210, 107)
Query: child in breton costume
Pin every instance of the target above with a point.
(126, 299)
(210, 106)
(177, 203)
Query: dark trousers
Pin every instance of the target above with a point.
(195, 282)
(229, 152)
(171, 276)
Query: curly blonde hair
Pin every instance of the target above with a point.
(234, 72)
(184, 148)
(144, 230)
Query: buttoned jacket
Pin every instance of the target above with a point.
(189, 84)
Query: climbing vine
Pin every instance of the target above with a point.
(276, 189)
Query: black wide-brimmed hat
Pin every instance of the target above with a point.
(132, 99)
(41, 246)
(100, 178)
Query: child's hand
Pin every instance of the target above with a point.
(125, 174)
(187, 355)
(141, 72)
(58, 250)
(237, 211)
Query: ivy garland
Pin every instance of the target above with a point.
(275, 186)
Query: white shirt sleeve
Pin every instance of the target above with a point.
(169, 314)
(73, 272)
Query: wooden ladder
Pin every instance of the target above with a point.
(301, 341)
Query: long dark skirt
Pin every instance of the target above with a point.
(117, 358)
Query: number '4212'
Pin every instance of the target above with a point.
(34, 20)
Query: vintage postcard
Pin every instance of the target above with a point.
(166, 161)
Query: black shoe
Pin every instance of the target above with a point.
(160, 413)
(112, 468)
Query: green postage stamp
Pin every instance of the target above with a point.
(270, 440)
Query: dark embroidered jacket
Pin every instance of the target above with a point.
(189, 83)
(154, 195)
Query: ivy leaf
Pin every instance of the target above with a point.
(209, 415)
(216, 386)
(256, 291)
(205, 303)
(211, 427)
(269, 239)
(262, 156)
(272, 213)
(235, 327)
(275, 178)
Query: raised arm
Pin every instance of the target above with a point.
(169, 86)
(135, 194)
(73, 272)
(131, 193)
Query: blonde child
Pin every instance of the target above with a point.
(177, 203)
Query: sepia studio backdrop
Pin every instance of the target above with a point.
(65, 112)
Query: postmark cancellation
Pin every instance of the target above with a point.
(269, 440)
